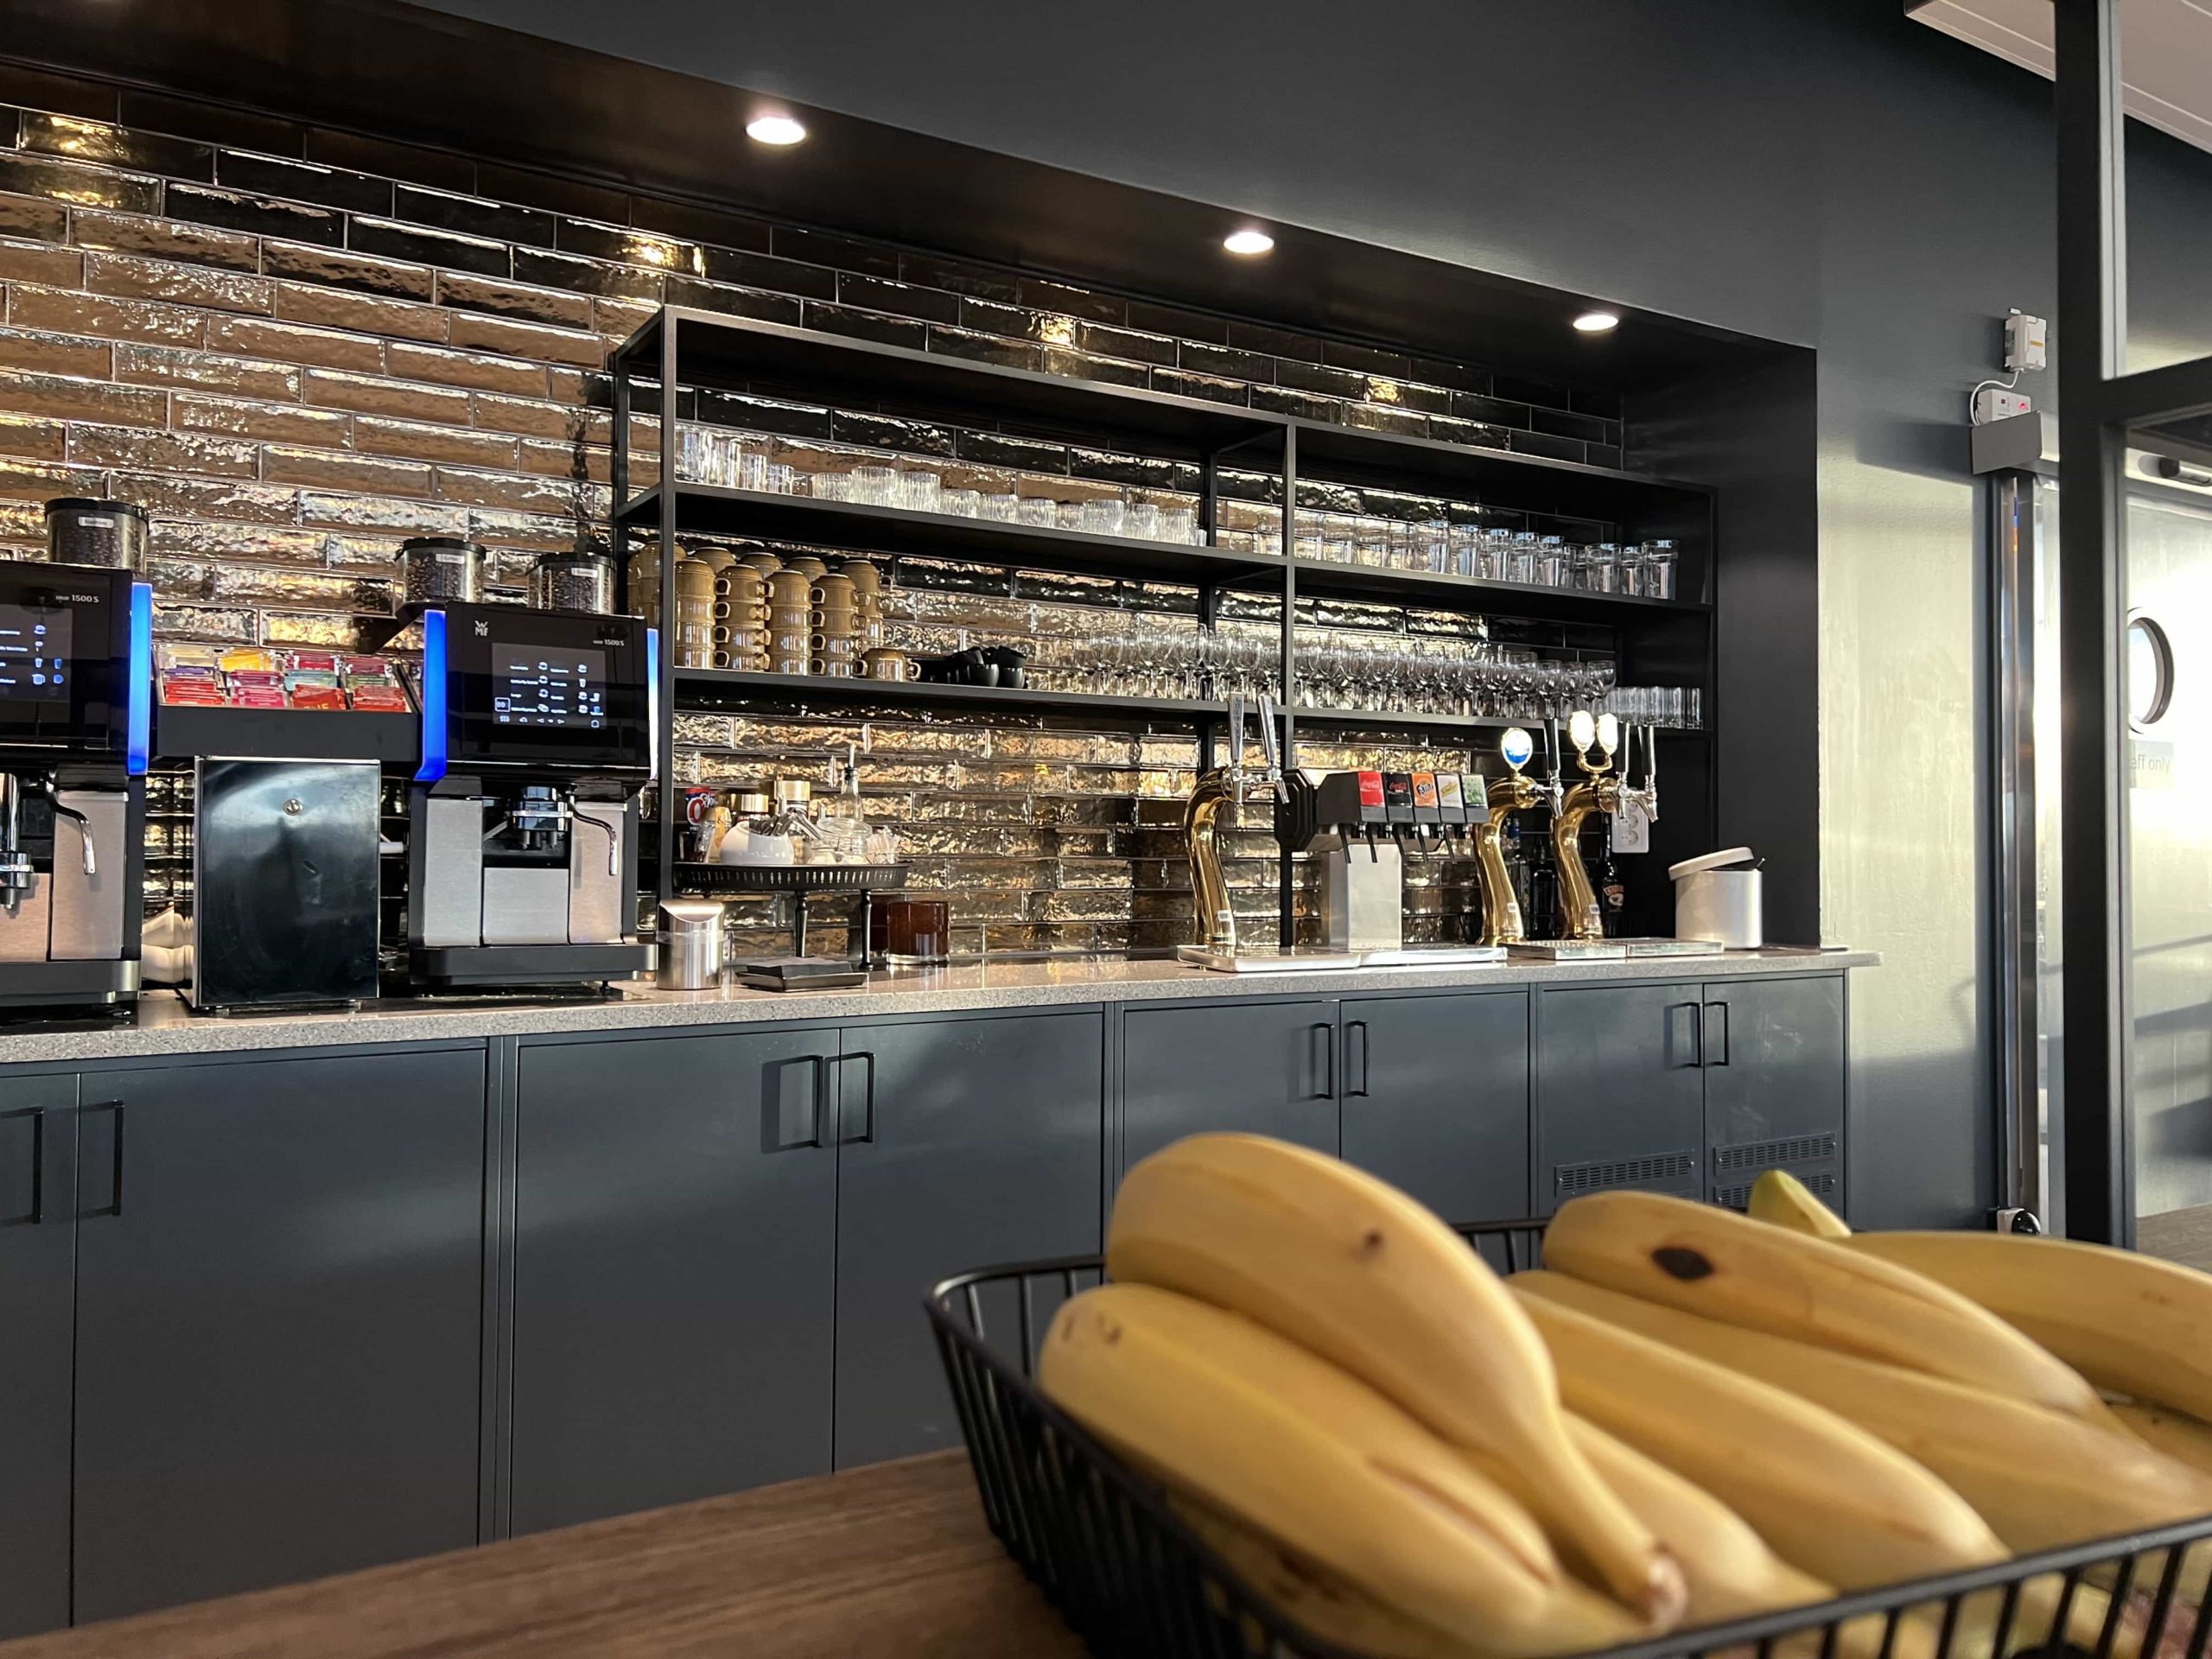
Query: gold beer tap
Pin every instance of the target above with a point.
(1515, 792)
(1223, 787)
(1600, 791)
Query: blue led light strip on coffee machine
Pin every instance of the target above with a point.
(433, 699)
(138, 694)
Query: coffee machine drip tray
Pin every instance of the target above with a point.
(480, 966)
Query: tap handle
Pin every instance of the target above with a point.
(1237, 736)
(1268, 747)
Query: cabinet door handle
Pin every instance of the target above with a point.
(1704, 1049)
(37, 1212)
(114, 1205)
(821, 1098)
(1328, 1090)
(867, 1136)
(1697, 1029)
(1365, 1038)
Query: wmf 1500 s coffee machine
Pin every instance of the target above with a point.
(76, 690)
(538, 737)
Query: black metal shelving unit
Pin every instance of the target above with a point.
(682, 350)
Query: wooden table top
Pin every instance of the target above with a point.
(892, 1559)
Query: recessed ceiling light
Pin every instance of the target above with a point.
(1596, 322)
(774, 129)
(1249, 243)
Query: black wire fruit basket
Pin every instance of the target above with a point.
(1104, 1544)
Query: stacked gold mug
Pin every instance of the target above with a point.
(790, 622)
(836, 638)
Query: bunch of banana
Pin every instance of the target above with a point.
(2134, 1325)
(1730, 1267)
(1352, 1269)
(1255, 1427)
(2041, 1478)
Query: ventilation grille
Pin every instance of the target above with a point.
(1767, 1154)
(1670, 1168)
(1821, 1187)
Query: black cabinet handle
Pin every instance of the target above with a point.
(1706, 1047)
(821, 1098)
(114, 1205)
(867, 1135)
(37, 1212)
(1365, 1039)
(1328, 1033)
(1697, 1029)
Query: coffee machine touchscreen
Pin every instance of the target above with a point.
(34, 652)
(547, 686)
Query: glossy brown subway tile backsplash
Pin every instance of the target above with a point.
(296, 355)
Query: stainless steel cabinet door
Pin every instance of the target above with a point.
(961, 1143)
(674, 1247)
(1268, 1068)
(1620, 1097)
(1774, 1085)
(279, 1302)
(1436, 1099)
(38, 1290)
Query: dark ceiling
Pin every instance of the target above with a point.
(405, 72)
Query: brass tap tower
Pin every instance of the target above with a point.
(1514, 792)
(1600, 791)
(1215, 792)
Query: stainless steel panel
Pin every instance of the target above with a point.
(525, 904)
(1364, 898)
(449, 908)
(88, 909)
(284, 883)
(24, 935)
(599, 890)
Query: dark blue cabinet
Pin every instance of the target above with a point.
(1436, 1098)
(1620, 1097)
(38, 1290)
(676, 1215)
(279, 1313)
(1265, 1067)
(1774, 1085)
(980, 1144)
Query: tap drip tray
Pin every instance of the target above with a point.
(1569, 951)
(1432, 956)
(1267, 961)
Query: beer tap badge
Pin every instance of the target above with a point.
(1515, 747)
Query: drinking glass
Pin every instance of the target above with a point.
(1605, 568)
(1435, 540)
(874, 486)
(1310, 532)
(1001, 506)
(1141, 520)
(1103, 515)
(1179, 525)
(1067, 515)
(1552, 568)
(1040, 511)
(781, 477)
(1521, 558)
(1661, 561)
(961, 504)
(921, 489)
(750, 472)
(1370, 541)
(1466, 549)
(1634, 569)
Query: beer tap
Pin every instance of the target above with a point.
(1514, 792)
(1276, 760)
(1600, 791)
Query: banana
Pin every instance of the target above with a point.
(1326, 1605)
(2128, 1322)
(1782, 1200)
(2042, 1479)
(1352, 1269)
(1730, 1267)
(1731, 1572)
(1828, 1497)
(1253, 1426)
(2184, 1439)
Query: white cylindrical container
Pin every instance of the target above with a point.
(1720, 898)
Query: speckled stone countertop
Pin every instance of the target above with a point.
(163, 1025)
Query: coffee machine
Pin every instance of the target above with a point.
(76, 689)
(522, 814)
